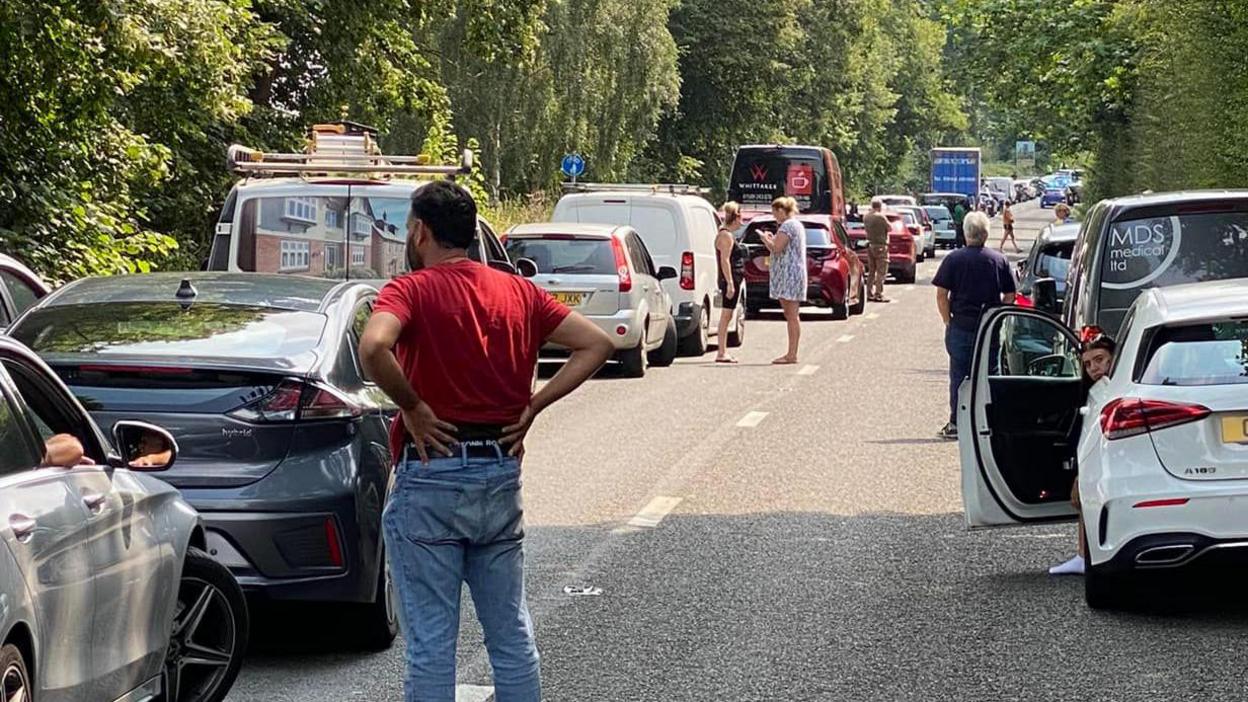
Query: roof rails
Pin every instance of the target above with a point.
(339, 148)
(651, 188)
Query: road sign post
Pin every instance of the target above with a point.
(573, 166)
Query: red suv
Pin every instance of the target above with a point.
(903, 251)
(837, 277)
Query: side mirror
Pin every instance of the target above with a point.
(144, 446)
(667, 273)
(861, 244)
(1044, 293)
(527, 267)
(504, 266)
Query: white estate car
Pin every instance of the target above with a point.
(1161, 443)
(606, 273)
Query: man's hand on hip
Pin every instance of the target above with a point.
(426, 430)
(513, 436)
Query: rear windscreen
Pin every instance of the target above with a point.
(1213, 353)
(169, 330)
(762, 175)
(1169, 250)
(569, 256)
(816, 234)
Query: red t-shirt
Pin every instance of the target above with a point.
(470, 340)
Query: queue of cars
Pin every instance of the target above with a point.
(1159, 447)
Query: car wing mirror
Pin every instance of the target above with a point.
(144, 446)
(667, 273)
(1044, 293)
(504, 266)
(527, 267)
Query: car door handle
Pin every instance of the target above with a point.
(23, 527)
(94, 501)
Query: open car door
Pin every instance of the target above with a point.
(1019, 420)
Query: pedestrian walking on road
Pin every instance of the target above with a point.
(878, 227)
(731, 256)
(959, 217)
(788, 270)
(454, 344)
(968, 280)
(1007, 225)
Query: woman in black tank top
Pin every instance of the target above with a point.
(730, 256)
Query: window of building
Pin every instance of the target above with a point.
(296, 255)
(357, 255)
(302, 209)
(333, 219)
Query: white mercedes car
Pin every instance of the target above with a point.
(1160, 444)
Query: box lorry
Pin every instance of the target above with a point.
(956, 170)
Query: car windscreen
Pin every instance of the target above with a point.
(568, 255)
(938, 214)
(761, 175)
(817, 235)
(168, 329)
(1053, 261)
(1168, 250)
(1209, 353)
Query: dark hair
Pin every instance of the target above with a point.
(449, 211)
(1101, 341)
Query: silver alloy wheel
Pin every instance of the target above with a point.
(15, 685)
(391, 611)
(202, 644)
(705, 330)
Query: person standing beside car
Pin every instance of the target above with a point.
(877, 226)
(788, 273)
(959, 216)
(968, 280)
(731, 265)
(454, 344)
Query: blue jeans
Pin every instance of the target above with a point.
(453, 521)
(960, 345)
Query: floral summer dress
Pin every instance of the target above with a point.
(788, 265)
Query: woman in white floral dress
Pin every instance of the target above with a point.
(788, 270)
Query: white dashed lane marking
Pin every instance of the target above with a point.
(808, 370)
(653, 513)
(752, 419)
(473, 693)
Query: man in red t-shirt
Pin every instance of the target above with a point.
(454, 344)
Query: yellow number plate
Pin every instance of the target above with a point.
(569, 299)
(1235, 429)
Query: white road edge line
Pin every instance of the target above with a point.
(808, 370)
(474, 693)
(653, 513)
(845, 338)
(752, 419)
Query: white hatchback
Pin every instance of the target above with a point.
(1160, 444)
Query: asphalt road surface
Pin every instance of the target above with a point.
(788, 533)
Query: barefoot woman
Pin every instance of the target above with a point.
(788, 269)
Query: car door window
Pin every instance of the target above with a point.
(349, 369)
(842, 238)
(24, 296)
(492, 249)
(640, 256)
(50, 410)
(18, 453)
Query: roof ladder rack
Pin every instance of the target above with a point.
(339, 148)
(651, 188)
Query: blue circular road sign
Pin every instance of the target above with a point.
(573, 165)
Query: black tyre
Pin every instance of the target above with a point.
(906, 276)
(1103, 590)
(377, 623)
(753, 311)
(696, 343)
(665, 355)
(860, 306)
(841, 310)
(633, 361)
(210, 630)
(14, 676)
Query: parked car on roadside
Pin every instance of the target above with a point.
(1054, 190)
(108, 592)
(606, 273)
(836, 276)
(919, 224)
(20, 289)
(283, 438)
(1129, 244)
(678, 227)
(1002, 189)
(942, 225)
(903, 249)
(1048, 259)
(1159, 442)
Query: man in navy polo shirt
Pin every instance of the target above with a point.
(454, 343)
(968, 280)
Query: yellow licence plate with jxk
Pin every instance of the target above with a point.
(569, 299)
(1235, 429)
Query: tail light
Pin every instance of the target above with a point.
(686, 270)
(621, 266)
(333, 544)
(1088, 333)
(293, 400)
(1126, 417)
(1023, 301)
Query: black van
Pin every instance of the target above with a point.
(809, 174)
(1129, 244)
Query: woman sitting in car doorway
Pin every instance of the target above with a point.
(1097, 356)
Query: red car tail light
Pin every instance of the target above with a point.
(1167, 502)
(1023, 301)
(333, 543)
(621, 265)
(293, 400)
(1126, 417)
(686, 270)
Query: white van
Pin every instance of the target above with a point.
(679, 226)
